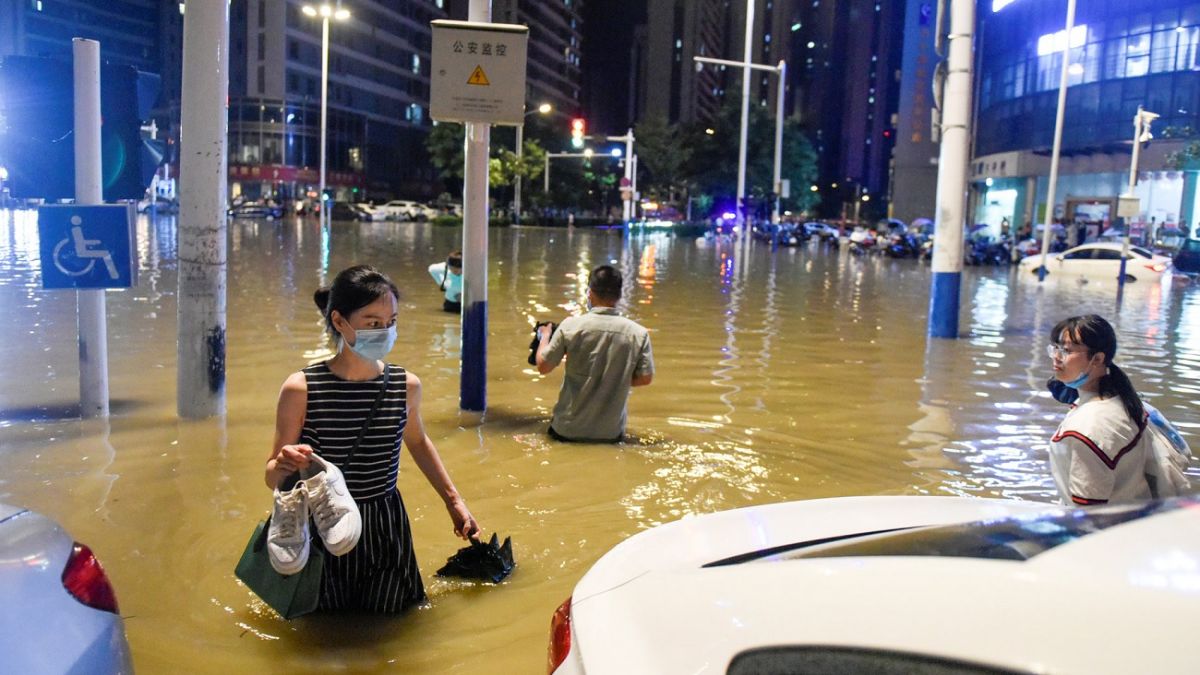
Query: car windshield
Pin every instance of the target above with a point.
(1141, 251)
(1015, 538)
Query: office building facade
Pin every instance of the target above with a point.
(1121, 55)
(378, 96)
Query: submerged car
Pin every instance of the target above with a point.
(58, 611)
(256, 210)
(893, 584)
(1100, 261)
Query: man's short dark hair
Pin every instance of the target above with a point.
(605, 282)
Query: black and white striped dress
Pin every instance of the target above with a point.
(380, 574)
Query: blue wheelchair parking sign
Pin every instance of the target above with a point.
(87, 246)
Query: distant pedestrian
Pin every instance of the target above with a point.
(1100, 451)
(352, 411)
(448, 275)
(606, 354)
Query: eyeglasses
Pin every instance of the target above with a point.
(1060, 352)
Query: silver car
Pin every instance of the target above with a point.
(58, 612)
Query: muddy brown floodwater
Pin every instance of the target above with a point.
(794, 374)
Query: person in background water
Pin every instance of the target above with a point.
(606, 355)
(1099, 452)
(323, 409)
(448, 275)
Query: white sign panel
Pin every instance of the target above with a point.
(1128, 207)
(477, 72)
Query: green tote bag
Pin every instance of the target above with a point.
(292, 595)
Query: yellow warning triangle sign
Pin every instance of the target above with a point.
(478, 77)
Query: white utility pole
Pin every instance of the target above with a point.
(743, 133)
(1141, 134)
(952, 175)
(89, 189)
(473, 380)
(1056, 150)
(203, 172)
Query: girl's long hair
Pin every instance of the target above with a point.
(1093, 332)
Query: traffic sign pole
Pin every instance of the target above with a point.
(477, 78)
(90, 304)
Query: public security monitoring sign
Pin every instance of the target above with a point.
(478, 72)
(87, 246)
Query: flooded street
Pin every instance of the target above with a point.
(797, 374)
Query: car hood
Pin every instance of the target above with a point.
(696, 541)
(649, 605)
(7, 511)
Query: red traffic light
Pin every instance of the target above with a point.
(577, 125)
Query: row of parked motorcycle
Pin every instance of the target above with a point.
(895, 239)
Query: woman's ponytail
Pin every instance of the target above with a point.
(1116, 383)
(321, 297)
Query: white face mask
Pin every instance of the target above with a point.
(373, 344)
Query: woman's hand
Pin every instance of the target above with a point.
(464, 523)
(292, 458)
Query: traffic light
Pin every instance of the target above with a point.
(38, 146)
(578, 128)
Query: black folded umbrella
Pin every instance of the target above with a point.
(486, 562)
(533, 344)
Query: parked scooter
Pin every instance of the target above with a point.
(862, 240)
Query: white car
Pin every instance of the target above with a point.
(402, 209)
(58, 612)
(1100, 261)
(894, 584)
(371, 212)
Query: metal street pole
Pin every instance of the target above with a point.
(89, 304)
(1057, 148)
(542, 109)
(952, 176)
(326, 12)
(203, 172)
(743, 133)
(1141, 122)
(324, 106)
(781, 71)
(473, 379)
(517, 182)
(627, 204)
(778, 184)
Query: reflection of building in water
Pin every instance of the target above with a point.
(1121, 55)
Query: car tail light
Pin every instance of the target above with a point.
(1157, 267)
(560, 636)
(85, 580)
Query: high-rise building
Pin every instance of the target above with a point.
(843, 65)
(378, 97)
(915, 155)
(669, 83)
(555, 47)
(611, 31)
(128, 32)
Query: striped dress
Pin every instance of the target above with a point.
(380, 574)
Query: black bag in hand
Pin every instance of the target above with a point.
(535, 343)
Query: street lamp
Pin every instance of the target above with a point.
(326, 12)
(542, 109)
(1141, 134)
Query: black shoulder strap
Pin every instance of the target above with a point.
(387, 372)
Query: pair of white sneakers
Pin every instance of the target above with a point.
(319, 490)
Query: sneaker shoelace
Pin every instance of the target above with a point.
(323, 509)
(289, 520)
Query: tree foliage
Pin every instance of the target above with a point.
(714, 159)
